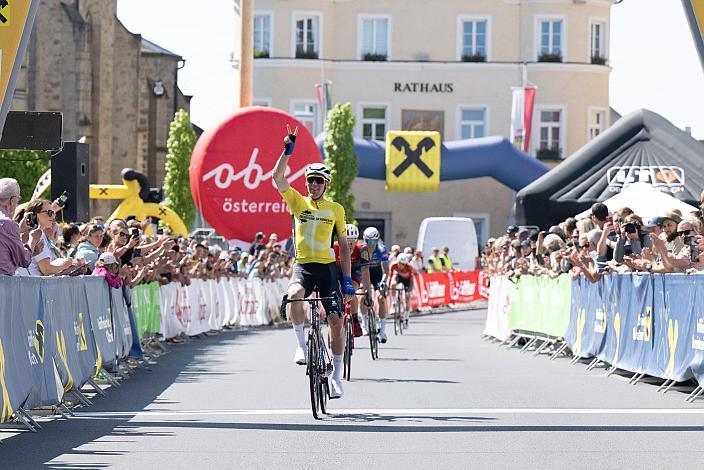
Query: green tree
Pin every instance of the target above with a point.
(177, 187)
(26, 166)
(340, 156)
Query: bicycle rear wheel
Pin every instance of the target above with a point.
(373, 340)
(313, 373)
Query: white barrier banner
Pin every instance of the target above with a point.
(499, 305)
(212, 304)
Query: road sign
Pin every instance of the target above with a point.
(16, 20)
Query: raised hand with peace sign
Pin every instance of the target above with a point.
(290, 140)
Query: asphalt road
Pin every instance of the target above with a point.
(438, 397)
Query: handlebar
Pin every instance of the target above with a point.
(285, 300)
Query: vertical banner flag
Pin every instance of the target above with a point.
(522, 116)
(694, 9)
(16, 20)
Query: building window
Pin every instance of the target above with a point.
(550, 41)
(307, 113)
(474, 40)
(472, 123)
(262, 35)
(374, 123)
(375, 38)
(597, 123)
(550, 141)
(597, 42)
(307, 37)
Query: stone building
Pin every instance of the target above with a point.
(113, 86)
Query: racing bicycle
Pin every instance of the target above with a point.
(399, 308)
(319, 366)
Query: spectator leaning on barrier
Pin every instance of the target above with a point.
(417, 261)
(434, 261)
(15, 252)
(89, 247)
(45, 263)
(445, 258)
(108, 267)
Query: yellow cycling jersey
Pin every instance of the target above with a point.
(314, 225)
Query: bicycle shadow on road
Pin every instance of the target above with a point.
(386, 380)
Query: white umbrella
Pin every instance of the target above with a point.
(645, 201)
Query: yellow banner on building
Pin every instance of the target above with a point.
(413, 161)
(694, 9)
(16, 20)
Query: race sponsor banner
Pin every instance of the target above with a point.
(74, 349)
(120, 323)
(231, 171)
(501, 294)
(433, 288)
(198, 310)
(541, 305)
(146, 304)
(21, 350)
(99, 312)
(463, 286)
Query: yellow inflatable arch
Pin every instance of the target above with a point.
(134, 192)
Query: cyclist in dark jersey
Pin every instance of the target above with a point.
(375, 255)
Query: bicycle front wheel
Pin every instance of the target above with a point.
(373, 341)
(313, 373)
(349, 338)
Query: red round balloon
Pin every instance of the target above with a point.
(231, 171)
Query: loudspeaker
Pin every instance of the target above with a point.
(70, 171)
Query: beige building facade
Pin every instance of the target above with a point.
(113, 87)
(448, 66)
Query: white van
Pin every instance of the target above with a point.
(456, 233)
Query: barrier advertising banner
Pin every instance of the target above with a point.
(436, 289)
(501, 292)
(98, 298)
(145, 303)
(541, 305)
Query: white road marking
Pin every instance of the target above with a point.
(399, 412)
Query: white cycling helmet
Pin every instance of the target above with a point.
(318, 169)
(403, 258)
(371, 233)
(352, 232)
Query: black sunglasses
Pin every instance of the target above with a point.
(315, 179)
(584, 246)
(123, 234)
(49, 212)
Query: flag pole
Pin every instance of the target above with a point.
(246, 53)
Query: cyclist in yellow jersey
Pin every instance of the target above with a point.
(315, 221)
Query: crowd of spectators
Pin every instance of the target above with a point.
(32, 243)
(600, 244)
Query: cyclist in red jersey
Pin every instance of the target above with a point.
(401, 271)
(356, 264)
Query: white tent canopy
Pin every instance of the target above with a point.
(645, 201)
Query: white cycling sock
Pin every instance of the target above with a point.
(300, 335)
(337, 365)
(383, 324)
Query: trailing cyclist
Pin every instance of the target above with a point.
(401, 271)
(375, 256)
(315, 218)
(356, 269)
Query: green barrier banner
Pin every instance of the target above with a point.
(541, 305)
(145, 304)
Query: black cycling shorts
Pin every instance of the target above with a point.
(376, 274)
(323, 276)
(407, 283)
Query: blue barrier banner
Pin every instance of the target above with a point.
(16, 379)
(74, 347)
(98, 298)
(121, 324)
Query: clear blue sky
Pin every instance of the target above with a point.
(654, 61)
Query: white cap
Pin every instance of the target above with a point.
(107, 258)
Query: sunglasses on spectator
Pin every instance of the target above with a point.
(315, 179)
(123, 234)
(49, 212)
(584, 246)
